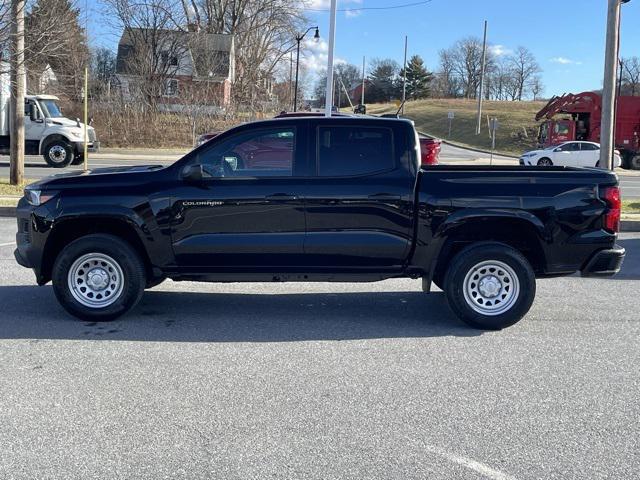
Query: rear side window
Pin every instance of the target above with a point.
(354, 150)
(589, 147)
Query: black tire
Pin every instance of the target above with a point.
(77, 160)
(545, 162)
(127, 292)
(516, 305)
(634, 163)
(58, 154)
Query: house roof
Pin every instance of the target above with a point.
(207, 50)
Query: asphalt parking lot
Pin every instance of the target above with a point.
(320, 381)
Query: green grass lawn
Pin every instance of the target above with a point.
(514, 119)
(15, 190)
(631, 206)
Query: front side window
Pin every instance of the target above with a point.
(570, 147)
(263, 153)
(354, 150)
(561, 129)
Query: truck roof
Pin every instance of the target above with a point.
(42, 97)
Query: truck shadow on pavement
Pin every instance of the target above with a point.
(631, 266)
(33, 312)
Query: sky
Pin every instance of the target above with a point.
(566, 36)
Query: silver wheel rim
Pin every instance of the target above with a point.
(95, 280)
(491, 287)
(57, 154)
(545, 163)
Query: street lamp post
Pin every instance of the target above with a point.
(299, 38)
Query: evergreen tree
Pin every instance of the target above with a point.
(418, 79)
(55, 37)
(383, 81)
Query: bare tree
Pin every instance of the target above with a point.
(524, 68)
(54, 38)
(536, 86)
(463, 61)
(631, 75)
(264, 32)
(151, 45)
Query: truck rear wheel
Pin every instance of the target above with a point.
(98, 277)
(635, 163)
(58, 154)
(490, 286)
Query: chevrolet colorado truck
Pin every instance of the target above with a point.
(319, 199)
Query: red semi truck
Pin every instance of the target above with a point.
(577, 117)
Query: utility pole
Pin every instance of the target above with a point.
(18, 79)
(362, 93)
(612, 48)
(332, 44)
(404, 75)
(482, 69)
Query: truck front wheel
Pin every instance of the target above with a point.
(98, 277)
(58, 154)
(490, 286)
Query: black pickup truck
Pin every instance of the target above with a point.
(319, 199)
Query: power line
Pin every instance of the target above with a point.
(390, 7)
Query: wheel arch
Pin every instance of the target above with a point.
(522, 234)
(67, 230)
(44, 143)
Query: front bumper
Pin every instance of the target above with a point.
(34, 225)
(604, 263)
(92, 147)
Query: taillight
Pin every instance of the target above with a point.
(611, 195)
(429, 151)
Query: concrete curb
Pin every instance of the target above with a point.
(8, 212)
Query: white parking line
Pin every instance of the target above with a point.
(471, 464)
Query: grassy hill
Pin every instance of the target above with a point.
(514, 119)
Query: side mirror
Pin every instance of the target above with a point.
(193, 173)
(34, 114)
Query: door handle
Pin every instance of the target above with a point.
(383, 197)
(281, 197)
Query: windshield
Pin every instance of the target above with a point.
(50, 108)
(555, 145)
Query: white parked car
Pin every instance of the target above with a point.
(567, 154)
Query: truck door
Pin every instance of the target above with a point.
(249, 209)
(360, 200)
(33, 128)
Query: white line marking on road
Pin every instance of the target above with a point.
(7, 244)
(471, 464)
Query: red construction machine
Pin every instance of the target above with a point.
(577, 117)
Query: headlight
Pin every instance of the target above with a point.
(527, 155)
(38, 197)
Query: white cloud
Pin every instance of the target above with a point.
(315, 54)
(564, 61)
(347, 5)
(500, 50)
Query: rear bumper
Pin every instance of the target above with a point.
(604, 263)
